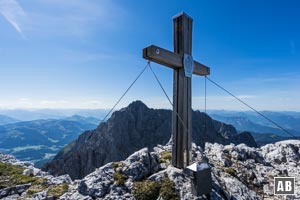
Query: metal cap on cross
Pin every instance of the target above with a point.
(184, 66)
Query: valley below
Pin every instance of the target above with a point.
(38, 141)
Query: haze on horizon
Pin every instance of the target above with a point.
(84, 54)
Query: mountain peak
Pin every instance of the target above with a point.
(137, 105)
(130, 129)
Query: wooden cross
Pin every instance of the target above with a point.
(182, 109)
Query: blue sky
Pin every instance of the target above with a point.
(85, 53)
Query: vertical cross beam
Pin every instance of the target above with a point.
(182, 108)
(182, 111)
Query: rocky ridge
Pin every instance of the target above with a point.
(31, 183)
(241, 172)
(131, 129)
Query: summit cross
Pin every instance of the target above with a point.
(182, 62)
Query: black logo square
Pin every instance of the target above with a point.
(284, 185)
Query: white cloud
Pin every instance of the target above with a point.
(24, 102)
(23, 99)
(92, 104)
(13, 13)
(50, 103)
(74, 103)
(280, 101)
(51, 18)
(73, 18)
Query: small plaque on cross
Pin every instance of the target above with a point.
(188, 65)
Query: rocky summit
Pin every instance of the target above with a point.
(131, 129)
(239, 172)
(21, 180)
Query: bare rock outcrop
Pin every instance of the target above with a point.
(239, 172)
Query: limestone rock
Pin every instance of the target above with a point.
(239, 172)
(15, 190)
(20, 191)
(255, 168)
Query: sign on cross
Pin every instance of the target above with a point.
(182, 62)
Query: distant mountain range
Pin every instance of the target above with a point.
(268, 138)
(37, 114)
(39, 140)
(250, 121)
(130, 129)
(7, 120)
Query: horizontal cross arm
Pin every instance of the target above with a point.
(172, 60)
